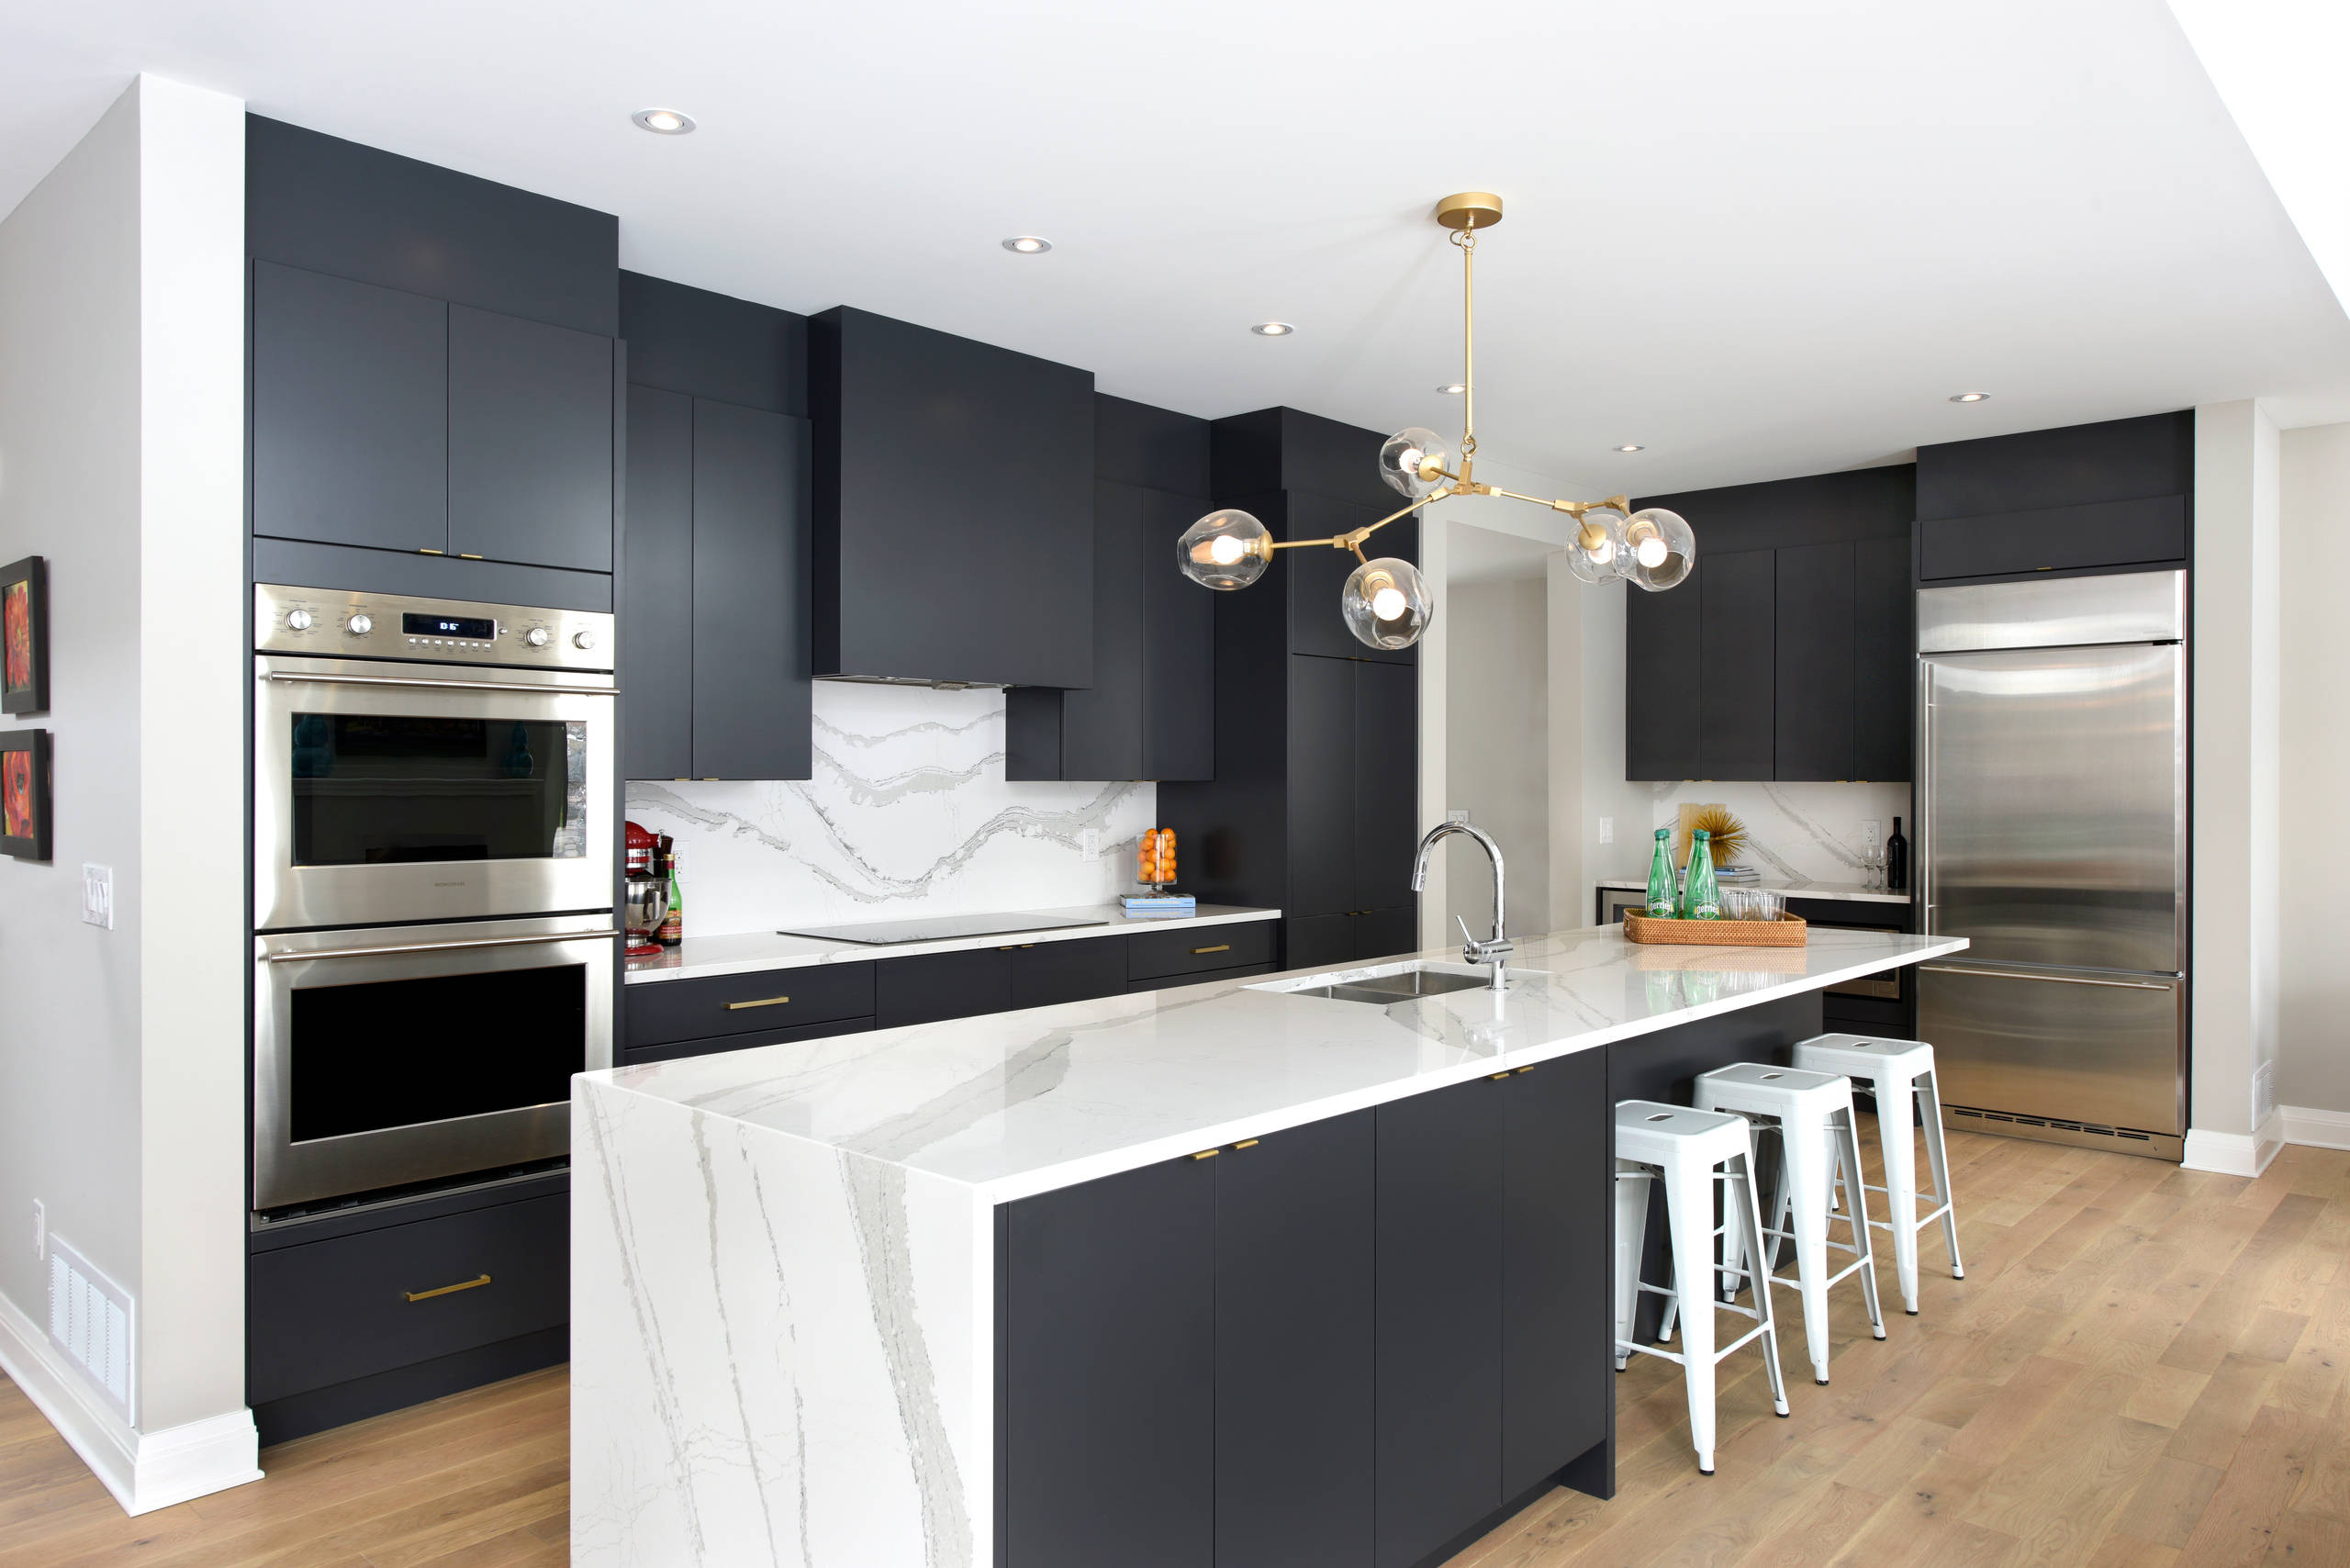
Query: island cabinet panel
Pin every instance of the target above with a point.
(1294, 1279)
(1438, 1377)
(1108, 1373)
(1557, 1179)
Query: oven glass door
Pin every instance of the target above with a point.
(392, 1056)
(390, 792)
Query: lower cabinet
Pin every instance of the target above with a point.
(1355, 937)
(1343, 1345)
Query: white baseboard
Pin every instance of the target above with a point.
(145, 1470)
(2315, 1128)
(2235, 1154)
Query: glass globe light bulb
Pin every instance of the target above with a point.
(1664, 548)
(1597, 555)
(1412, 461)
(1386, 603)
(1228, 549)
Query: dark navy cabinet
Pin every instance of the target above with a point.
(530, 442)
(2116, 496)
(953, 507)
(714, 607)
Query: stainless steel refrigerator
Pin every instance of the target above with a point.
(2052, 817)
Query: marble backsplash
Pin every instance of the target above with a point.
(1810, 832)
(909, 813)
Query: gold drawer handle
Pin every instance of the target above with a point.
(1219, 948)
(763, 1002)
(444, 1290)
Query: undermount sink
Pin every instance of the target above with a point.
(1389, 983)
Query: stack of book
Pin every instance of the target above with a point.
(1161, 905)
(1743, 875)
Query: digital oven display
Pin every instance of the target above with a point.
(449, 626)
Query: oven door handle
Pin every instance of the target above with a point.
(393, 950)
(295, 677)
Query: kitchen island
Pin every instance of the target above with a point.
(1222, 1274)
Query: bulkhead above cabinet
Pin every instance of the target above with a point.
(953, 507)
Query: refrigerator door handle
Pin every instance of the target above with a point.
(2052, 979)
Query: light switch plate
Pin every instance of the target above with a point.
(97, 896)
(1093, 843)
(1607, 830)
(1458, 814)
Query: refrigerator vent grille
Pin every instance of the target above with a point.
(2049, 1124)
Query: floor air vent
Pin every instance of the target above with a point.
(2055, 1129)
(90, 1321)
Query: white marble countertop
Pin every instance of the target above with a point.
(753, 951)
(1848, 893)
(1014, 1104)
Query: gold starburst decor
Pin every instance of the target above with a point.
(1719, 825)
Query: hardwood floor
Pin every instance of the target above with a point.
(2145, 1367)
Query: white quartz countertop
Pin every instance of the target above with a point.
(1014, 1104)
(699, 957)
(1848, 893)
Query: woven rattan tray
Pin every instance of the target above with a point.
(1787, 931)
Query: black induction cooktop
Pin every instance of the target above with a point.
(942, 928)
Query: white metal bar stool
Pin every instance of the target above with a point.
(1902, 1074)
(1685, 1150)
(1812, 1113)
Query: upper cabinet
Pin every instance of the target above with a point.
(434, 372)
(1789, 654)
(953, 507)
(1150, 713)
(2110, 497)
(715, 621)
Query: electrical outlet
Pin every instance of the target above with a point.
(40, 1231)
(1607, 830)
(1458, 814)
(1872, 831)
(97, 896)
(1093, 841)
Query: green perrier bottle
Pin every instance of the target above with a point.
(1664, 892)
(1701, 899)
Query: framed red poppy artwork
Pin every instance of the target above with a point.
(23, 636)
(24, 794)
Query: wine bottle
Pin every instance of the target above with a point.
(1897, 860)
(1701, 899)
(673, 925)
(1664, 892)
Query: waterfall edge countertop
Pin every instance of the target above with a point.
(1014, 1104)
(1845, 892)
(751, 952)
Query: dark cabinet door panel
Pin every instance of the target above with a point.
(1386, 781)
(1386, 932)
(927, 987)
(349, 412)
(636, 1055)
(656, 620)
(1438, 1292)
(1293, 1239)
(655, 1012)
(1556, 1325)
(1319, 941)
(1661, 643)
(1813, 632)
(1108, 1373)
(1076, 970)
(2145, 533)
(1317, 576)
(1197, 949)
(1102, 726)
(1321, 794)
(1885, 659)
(1734, 679)
(1177, 649)
(530, 442)
(751, 671)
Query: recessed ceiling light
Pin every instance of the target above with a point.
(1272, 329)
(1972, 398)
(1029, 244)
(1631, 446)
(663, 122)
(1452, 389)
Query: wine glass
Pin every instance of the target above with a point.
(1872, 865)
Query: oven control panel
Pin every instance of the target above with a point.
(428, 631)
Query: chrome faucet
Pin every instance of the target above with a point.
(1497, 951)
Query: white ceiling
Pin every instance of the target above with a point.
(1762, 241)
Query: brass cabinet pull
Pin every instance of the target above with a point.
(1248, 1143)
(1499, 1076)
(1219, 948)
(446, 1290)
(763, 1002)
(1207, 1154)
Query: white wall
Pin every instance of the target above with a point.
(2313, 997)
(2237, 653)
(1498, 744)
(122, 1075)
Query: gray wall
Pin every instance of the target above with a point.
(1497, 761)
(2313, 1011)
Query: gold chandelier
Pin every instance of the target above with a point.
(1385, 601)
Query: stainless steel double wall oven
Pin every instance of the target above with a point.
(434, 822)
